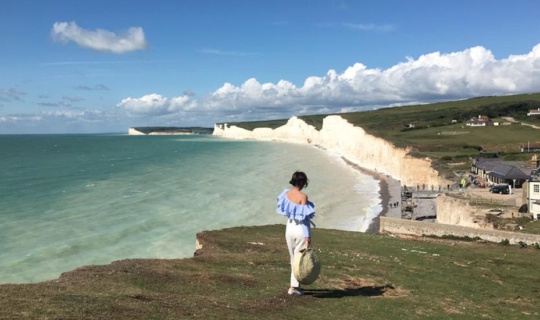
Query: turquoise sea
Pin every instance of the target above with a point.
(73, 200)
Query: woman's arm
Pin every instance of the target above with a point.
(306, 230)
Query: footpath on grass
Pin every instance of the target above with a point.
(243, 273)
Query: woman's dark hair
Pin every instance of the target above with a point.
(300, 180)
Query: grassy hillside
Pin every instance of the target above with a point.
(243, 273)
(435, 135)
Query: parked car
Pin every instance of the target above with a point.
(500, 188)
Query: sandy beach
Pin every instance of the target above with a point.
(390, 192)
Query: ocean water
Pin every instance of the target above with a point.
(73, 200)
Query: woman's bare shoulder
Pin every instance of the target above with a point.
(303, 198)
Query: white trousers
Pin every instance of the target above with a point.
(295, 240)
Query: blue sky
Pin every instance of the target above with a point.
(102, 66)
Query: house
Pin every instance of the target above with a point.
(531, 193)
(480, 121)
(531, 188)
(454, 121)
(534, 112)
(505, 173)
(530, 147)
(482, 167)
(410, 125)
(513, 173)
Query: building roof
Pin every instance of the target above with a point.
(505, 171)
(486, 164)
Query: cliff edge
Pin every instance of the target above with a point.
(352, 142)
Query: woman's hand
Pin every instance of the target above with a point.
(308, 240)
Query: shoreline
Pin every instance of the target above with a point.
(387, 191)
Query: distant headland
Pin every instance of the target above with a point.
(169, 130)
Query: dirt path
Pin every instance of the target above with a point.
(522, 123)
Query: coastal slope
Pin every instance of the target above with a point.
(243, 273)
(352, 142)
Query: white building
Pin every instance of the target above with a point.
(480, 121)
(534, 112)
(533, 198)
(531, 189)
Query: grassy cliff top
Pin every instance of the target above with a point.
(243, 273)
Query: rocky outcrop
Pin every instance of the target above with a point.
(352, 142)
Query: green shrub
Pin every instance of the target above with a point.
(468, 146)
(536, 246)
(522, 244)
(464, 238)
(504, 242)
(489, 155)
(446, 158)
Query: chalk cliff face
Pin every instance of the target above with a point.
(455, 211)
(134, 132)
(351, 142)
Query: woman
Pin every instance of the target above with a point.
(294, 204)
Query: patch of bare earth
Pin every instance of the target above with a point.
(367, 287)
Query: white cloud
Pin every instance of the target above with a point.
(369, 26)
(12, 94)
(97, 87)
(66, 101)
(73, 116)
(427, 78)
(430, 77)
(155, 105)
(99, 39)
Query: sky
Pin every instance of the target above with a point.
(104, 66)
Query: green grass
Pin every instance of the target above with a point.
(364, 276)
(532, 227)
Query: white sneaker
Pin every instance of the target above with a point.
(295, 292)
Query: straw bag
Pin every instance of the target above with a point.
(306, 265)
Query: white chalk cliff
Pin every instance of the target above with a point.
(352, 142)
(132, 131)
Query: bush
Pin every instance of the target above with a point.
(504, 242)
(536, 246)
(468, 146)
(522, 244)
(489, 155)
(458, 238)
(446, 158)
